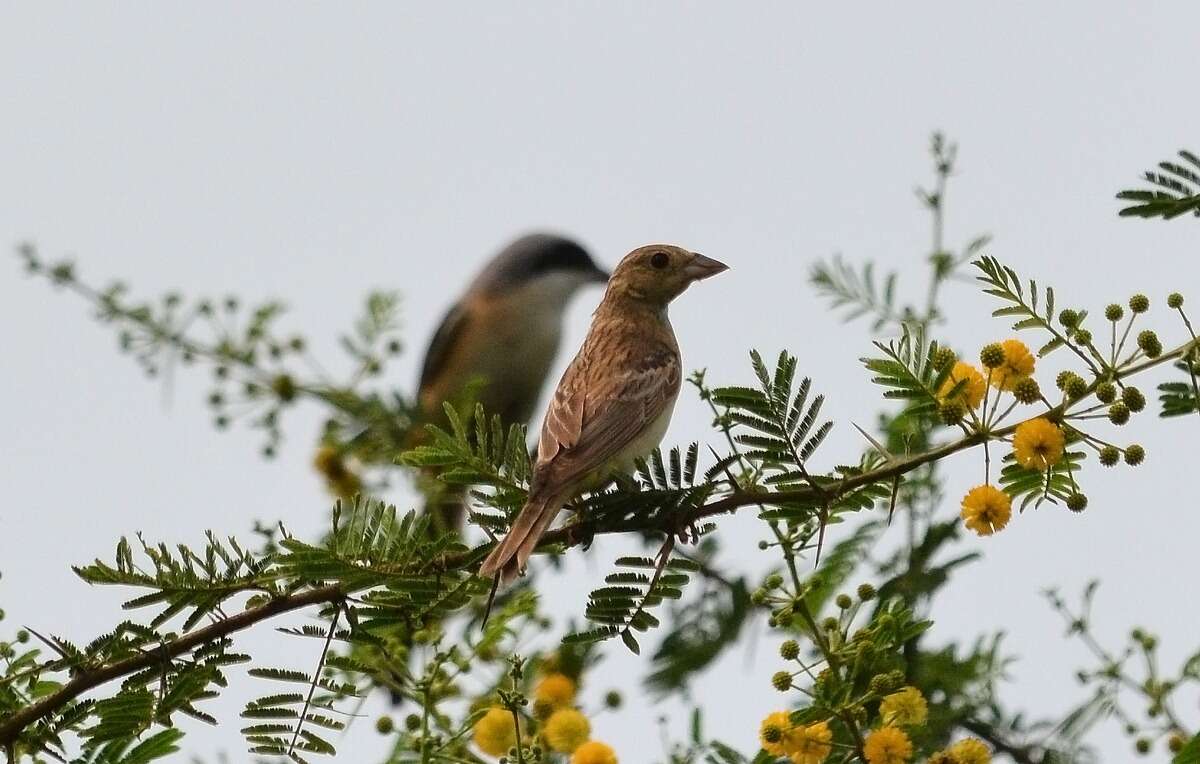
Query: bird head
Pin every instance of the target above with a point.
(542, 267)
(658, 273)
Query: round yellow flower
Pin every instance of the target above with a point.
(1018, 363)
(495, 732)
(887, 745)
(775, 733)
(904, 708)
(566, 730)
(986, 509)
(1038, 444)
(811, 743)
(970, 751)
(970, 393)
(594, 752)
(555, 690)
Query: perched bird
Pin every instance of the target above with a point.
(614, 401)
(497, 342)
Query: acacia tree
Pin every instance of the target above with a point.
(402, 609)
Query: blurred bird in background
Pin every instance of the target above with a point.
(614, 401)
(496, 344)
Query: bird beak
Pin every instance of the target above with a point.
(701, 267)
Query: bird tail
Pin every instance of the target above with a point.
(509, 557)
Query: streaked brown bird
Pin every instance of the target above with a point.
(614, 401)
(497, 343)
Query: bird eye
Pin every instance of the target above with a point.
(660, 260)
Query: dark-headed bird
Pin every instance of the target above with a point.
(614, 401)
(497, 343)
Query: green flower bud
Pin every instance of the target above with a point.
(944, 358)
(1106, 392)
(1068, 318)
(992, 356)
(782, 681)
(844, 602)
(412, 722)
(1109, 456)
(1133, 398)
(1148, 342)
(762, 546)
(773, 581)
(1027, 390)
(952, 412)
(384, 725)
(830, 624)
(866, 592)
(1142, 745)
(1175, 301)
(759, 596)
(1076, 387)
(612, 699)
(1083, 337)
(284, 388)
(1114, 312)
(1076, 502)
(1063, 379)
(1134, 455)
(1177, 741)
(1139, 303)
(1118, 413)
(789, 650)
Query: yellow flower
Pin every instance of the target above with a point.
(970, 751)
(986, 509)
(970, 393)
(775, 734)
(566, 730)
(496, 731)
(1018, 363)
(887, 745)
(1038, 444)
(906, 707)
(594, 752)
(810, 744)
(555, 690)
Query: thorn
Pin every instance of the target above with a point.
(875, 444)
(487, 609)
(892, 501)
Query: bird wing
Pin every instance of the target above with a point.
(595, 416)
(443, 343)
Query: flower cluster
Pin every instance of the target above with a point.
(558, 723)
(801, 743)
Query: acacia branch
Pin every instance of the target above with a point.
(568, 536)
(90, 678)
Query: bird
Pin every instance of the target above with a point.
(497, 343)
(614, 402)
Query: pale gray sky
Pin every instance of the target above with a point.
(313, 153)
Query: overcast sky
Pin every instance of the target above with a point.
(313, 153)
